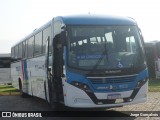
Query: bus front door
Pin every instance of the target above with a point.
(55, 73)
(58, 67)
(50, 77)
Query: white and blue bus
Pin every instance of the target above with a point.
(83, 62)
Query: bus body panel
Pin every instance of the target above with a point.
(36, 73)
(32, 75)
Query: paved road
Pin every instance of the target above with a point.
(152, 105)
(16, 103)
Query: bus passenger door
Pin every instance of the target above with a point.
(58, 66)
(54, 72)
(48, 85)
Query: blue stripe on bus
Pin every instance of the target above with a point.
(120, 86)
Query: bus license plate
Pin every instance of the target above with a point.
(113, 96)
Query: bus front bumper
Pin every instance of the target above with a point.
(77, 98)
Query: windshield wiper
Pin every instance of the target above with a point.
(106, 51)
(104, 54)
(98, 62)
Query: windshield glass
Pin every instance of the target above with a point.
(104, 47)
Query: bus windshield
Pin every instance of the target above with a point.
(104, 47)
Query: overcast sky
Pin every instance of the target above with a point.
(18, 18)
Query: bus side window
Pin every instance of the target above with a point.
(20, 51)
(16, 52)
(12, 53)
(24, 49)
(46, 34)
(38, 44)
(30, 47)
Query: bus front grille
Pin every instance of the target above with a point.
(113, 79)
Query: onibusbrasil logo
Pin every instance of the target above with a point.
(21, 114)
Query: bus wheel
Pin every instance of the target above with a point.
(22, 94)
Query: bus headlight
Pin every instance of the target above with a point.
(81, 86)
(141, 83)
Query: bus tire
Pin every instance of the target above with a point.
(22, 94)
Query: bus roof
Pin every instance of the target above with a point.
(97, 20)
(86, 20)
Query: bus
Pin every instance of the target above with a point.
(152, 49)
(5, 61)
(82, 61)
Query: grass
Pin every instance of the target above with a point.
(154, 85)
(8, 90)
